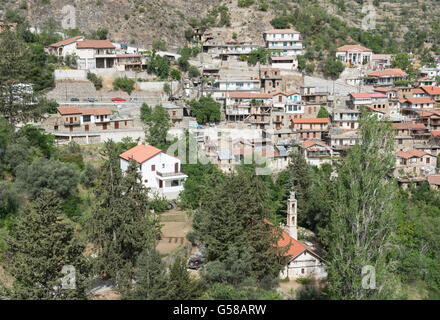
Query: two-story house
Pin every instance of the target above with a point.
(93, 54)
(414, 163)
(64, 47)
(385, 77)
(161, 171)
(310, 128)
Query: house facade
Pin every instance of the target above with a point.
(161, 171)
(284, 42)
(95, 54)
(354, 55)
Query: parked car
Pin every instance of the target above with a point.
(74, 99)
(195, 263)
(173, 99)
(118, 99)
(92, 99)
(134, 99)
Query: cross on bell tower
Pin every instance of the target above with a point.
(292, 227)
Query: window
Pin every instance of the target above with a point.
(428, 160)
(163, 165)
(174, 183)
(86, 118)
(146, 180)
(153, 167)
(302, 270)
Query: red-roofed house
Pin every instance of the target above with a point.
(287, 41)
(377, 101)
(433, 92)
(64, 47)
(414, 163)
(310, 128)
(316, 152)
(354, 55)
(93, 54)
(417, 103)
(161, 171)
(73, 121)
(385, 77)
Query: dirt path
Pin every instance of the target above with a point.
(175, 226)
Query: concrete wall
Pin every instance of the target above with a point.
(157, 85)
(61, 74)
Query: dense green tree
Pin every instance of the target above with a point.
(206, 109)
(232, 214)
(151, 277)
(42, 173)
(89, 175)
(17, 93)
(124, 84)
(280, 22)
(39, 245)
(180, 284)
(259, 55)
(158, 123)
(323, 113)
(333, 67)
(363, 217)
(121, 225)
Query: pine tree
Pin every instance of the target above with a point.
(151, 277)
(233, 214)
(180, 284)
(121, 225)
(39, 245)
(363, 218)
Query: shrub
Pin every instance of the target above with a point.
(125, 84)
(245, 3)
(280, 22)
(97, 81)
(303, 280)
(159, 45)
(193, 72)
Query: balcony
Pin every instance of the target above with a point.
(171, 175)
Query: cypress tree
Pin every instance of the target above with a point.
(39, 245)
(121, 225)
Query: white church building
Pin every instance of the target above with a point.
(161, 171)
(303, 262)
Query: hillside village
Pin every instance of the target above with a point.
(153, 138)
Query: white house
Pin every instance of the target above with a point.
(64, 47)
(94, 54)
(287, 41)
(161, 171)
(354, 55)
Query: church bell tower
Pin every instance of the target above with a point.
(292, 227)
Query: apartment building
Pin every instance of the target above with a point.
(285, 42)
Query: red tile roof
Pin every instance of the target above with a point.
(310, 120)
(435, 133)
(366, 95)
(131, 55)
(140, 153)
(308, 143)
(249, 95)
(414, 153)
(68, 110)
(419, 100)
(90, 111)
(435, 179)
(285, 240)
(66, 41)
(96, 111)
(95, 44)
(408, 125)
(353, 47)
(431, 90)
(388, 73)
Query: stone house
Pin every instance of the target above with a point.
(414, 163)
(310, 128)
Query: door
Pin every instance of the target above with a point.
(87, 127)
(116, 125)
(104, 126)
(352, 125)
(70, 128)
(176, 167)
(160, 184)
